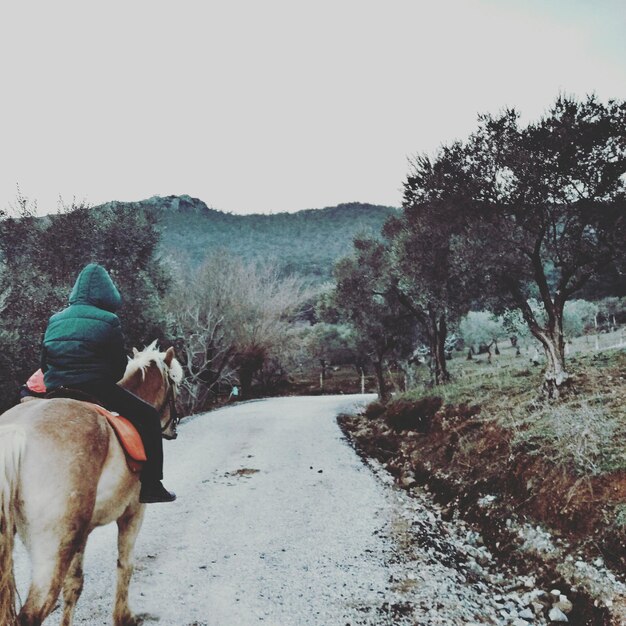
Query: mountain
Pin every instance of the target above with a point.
(306, 242)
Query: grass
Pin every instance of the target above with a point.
(585, 432)
(582, 438)
(491, 385)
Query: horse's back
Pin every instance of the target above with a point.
(61, 426)
(66, 447)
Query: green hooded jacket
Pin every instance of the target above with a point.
(84, 342)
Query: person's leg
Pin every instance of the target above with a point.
(145, 419)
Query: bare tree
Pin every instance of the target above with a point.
(232, 318)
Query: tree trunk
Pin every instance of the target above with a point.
(409, 375)
(323, 373)
(393, 381)
(437, 336)
(436, 331)
(556, 378)
(383, 392)
(250, 361)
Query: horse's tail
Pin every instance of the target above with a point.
(12, 443)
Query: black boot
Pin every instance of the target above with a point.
(155, 492)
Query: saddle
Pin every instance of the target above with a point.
(126, 433)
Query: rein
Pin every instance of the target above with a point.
(170, 401)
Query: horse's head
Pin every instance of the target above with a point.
(156, 377)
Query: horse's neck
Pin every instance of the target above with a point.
(142, 384)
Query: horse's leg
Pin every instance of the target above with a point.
(128, 529)
(50, 560)
(72, 588)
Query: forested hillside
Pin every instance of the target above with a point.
(225, 302)
(306, 242)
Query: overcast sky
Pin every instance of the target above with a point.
(276, 105)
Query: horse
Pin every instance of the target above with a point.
(63, 472)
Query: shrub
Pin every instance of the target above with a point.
(412, 414)
(374, 410)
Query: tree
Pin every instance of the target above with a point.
(330, 343)
(542, 207)
(612, 311)
(429, 275)
(230, 318)
(364, 297)
(579, 316)
(482, 328)
(40, 259)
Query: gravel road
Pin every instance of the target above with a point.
(278, 522)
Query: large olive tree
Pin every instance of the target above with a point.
(542, 208)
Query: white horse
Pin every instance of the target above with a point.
(62, 473)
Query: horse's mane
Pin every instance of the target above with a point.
(151, 354)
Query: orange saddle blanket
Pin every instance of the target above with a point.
(128, 437)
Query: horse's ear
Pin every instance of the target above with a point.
(135, 353)
(169, 356)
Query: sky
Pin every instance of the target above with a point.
(276, 105)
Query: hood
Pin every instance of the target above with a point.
(94, 286)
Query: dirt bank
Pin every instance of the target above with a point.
(532, 514)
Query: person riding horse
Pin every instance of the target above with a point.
(83, 350)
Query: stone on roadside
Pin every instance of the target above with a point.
(556, 615)
(537, 607)
(564, 604)
(527, 614)
(408, 481)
